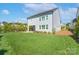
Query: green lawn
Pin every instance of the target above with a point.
(38, 43)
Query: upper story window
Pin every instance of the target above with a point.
(40, 19)
(46, 17)
(43, 17)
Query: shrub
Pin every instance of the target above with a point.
(14, 27)
(63, 28)
(37, 31)
(45, 32)
(49, 32)
(53, 30)
(67, 26)
(76, 30)
(0, 29)
(30, 28)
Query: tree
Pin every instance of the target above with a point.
(8, 27)
(14, 27)
(76, 30)
(67, 26)
(21, 27)
(0, 29)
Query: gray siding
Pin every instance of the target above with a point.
(56, 21)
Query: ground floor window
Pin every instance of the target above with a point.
(39, 26)
(46, 26)
(32, 28)
(43, 26)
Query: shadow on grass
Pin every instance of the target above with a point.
(3, 51)
(1, 37)
(74, 38)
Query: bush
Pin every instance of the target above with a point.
(1, 29)
(53, 30)
(14, 27)
(45, 32)
(30, 28)
(37, 31)
(76, 30)
(67, 26)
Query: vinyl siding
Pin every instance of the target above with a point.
(53, 21)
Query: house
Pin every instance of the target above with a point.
(47, 21)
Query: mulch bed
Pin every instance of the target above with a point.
(64, 33)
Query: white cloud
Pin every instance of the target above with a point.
(17, 19)
(68, 15)
(5, 11)
(35, 8)
(21, 20)
(24, 20)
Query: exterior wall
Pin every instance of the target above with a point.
(35, 21)
(46, 22)
(56, 21)
(53, 22)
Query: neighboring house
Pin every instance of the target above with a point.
(47, 21)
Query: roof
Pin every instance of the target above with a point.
(74, 20)
(42, 13)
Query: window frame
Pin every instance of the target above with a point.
(39, 26)
(43, 26)
(47, 26)
(46, 17)
(43, 18)
(39, 18)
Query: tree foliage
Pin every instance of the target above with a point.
(0, 28)
(14, 27)
(67, 26)
(76, 30)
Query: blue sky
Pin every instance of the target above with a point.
(17, 12)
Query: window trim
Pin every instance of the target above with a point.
(43, 26)
(39, 18)
(47, 26)
(46, 17)
(43, 18)
(39, 26)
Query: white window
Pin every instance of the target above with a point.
(39, 18)
(46, 26)
(46, 17)
(43, 26)
(39, 26)
(43, 18)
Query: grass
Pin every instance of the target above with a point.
(38, 44)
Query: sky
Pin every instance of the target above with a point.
(18, 12)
